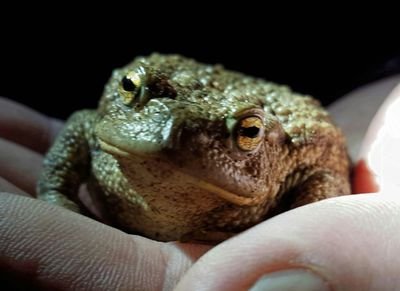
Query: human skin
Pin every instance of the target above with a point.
(348, 241)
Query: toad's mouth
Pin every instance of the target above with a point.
(113, 150)
(209, 187)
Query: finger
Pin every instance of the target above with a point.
(380, 158)
(6, 186)
(27, 127)
(19, 165)
(344, 243)
(353, 112)
(56, 249)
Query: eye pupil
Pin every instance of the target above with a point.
(250, 132)
(128, 85)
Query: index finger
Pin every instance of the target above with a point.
(58, 249)
(27, 127)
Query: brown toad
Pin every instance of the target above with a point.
(182, 150)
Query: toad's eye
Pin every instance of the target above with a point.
(249, 133)
(130, 87)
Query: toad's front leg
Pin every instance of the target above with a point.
(67, 164)
(321, 185)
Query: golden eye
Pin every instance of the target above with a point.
(249, 133)
(130, 87)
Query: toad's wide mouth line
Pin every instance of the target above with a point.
(108, 148)
(224, 194)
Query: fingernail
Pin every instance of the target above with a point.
(296, 279)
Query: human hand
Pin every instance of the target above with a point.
(47, 247)
(343, 243)
(332, 238)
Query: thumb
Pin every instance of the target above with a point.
(379, 165)
(344, 243)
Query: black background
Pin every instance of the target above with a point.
(59, 64)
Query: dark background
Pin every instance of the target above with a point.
(58, 66)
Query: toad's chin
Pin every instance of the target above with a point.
(234, 198)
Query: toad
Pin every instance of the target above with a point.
(179, 150)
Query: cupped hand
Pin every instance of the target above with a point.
(46, 247)
(344, 243)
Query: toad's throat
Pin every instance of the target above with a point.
(209, 187)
